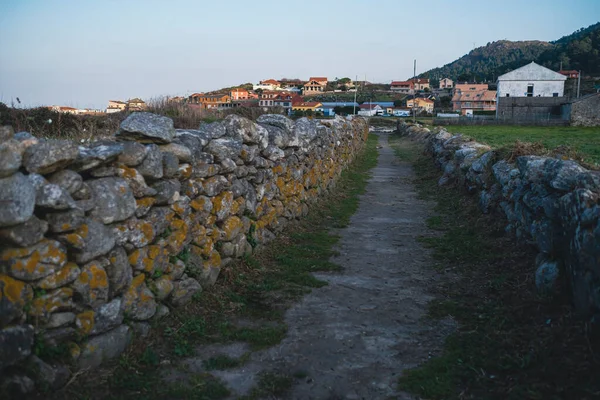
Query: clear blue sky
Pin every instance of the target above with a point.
(83, 53)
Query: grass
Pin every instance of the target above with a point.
(257, 288)
(582, 140)
(511, 342)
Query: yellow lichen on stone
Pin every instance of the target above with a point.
(200, 203)
(49, 303)
(231, 228)
(222, 205)
(145, 202)
(85, 322)
(15, 291)
(213, 261)
(67, 274)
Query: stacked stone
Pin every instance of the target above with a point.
(126, 229)
(550, 202)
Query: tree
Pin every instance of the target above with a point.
(344, 81)
(398, 103)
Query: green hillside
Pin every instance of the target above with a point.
(579, 50)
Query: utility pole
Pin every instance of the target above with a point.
(414, 96)
(578, 82)
(355, 91)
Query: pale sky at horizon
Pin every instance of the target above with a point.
(83, 53)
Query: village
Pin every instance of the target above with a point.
(422, 97)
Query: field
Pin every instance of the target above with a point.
(584, 142)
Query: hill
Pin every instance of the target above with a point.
(579, 50)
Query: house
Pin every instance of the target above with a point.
(291, 83)
(115, 106)
(470, 99)
(64, 109)
(569, 73)
(321, 79)
(469, 87)
(369, 109)
(402, 87)
(420, 83)
(420, 104)
(446, 83)
(239, 94)
(531, 80)
(306, 106)
(315, 85)
(136, 104)
(211, 101)
(269, 84)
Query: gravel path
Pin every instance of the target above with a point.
(354, 337)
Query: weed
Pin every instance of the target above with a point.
(222, 362)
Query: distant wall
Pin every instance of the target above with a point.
(528, 107)
(586, 111)
(548, 202)
(97, 241)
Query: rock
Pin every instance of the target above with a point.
(26, 139)
(26, 234)
(6, 133)
(231, 228)
(162, 287)
(193, 139)
(273, 153)
(136, 182)
(15, 344)
(56, 300)
(183, 291)
(49, 156)
(166, 191)
(152, 166)
(114, 200)
(277, 120)
(133, 154)
(63, 277)
(107, 317)
(146, 127)
(66, 220)
(222, 205)
(138, 300)
(92, 239)
(161, 311)
(104, 347)
(34, 262)
(100, 153)
(92, 284)
(213, 130)
(84, 193)
(223, 148)
(248, 153)
(103, 172)
(239, 127)
(564, 175)
(183, 153)
(546, 274)
(14, 296)
(16, 385)
(144, 205)
(50, 376)
(10, 157)
(53, 197)
(227, 166)
(215, 185)
(60, 319)
(119, 271)
(17, 196)
(170, 165)
(69, 180)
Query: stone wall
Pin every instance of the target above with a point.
(549, 202)
(586, 111)
(529, 107)
(127, 229)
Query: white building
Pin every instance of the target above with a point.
(369, 110)
(531, 80)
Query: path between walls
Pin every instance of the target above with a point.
(355, 336)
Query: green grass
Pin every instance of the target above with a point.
(511, 343)
(222, 362)
(583, 140)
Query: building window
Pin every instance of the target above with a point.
(507, 95)
(554, 94)
(530, 90)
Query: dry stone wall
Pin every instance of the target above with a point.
(126, 229)
(552, 203)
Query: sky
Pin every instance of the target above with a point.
(83, 53)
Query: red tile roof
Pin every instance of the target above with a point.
(270, 82)
(401, 83)
(318, 79)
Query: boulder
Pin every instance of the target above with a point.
(101, 348)
(138, 300)
(119, 271)
(34, 262)
(107, 317)
(226, 147)
(114, 200)
(100, 153)
(92, 239)
(133, 154)
(50, 155)
(67, 179)
(10, 157)
(146, 127)
(152, 166)
(15, 295)
(26, 234)
(17, 196)
(183, 291)
(15, 344)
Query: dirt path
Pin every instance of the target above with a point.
(352, 338)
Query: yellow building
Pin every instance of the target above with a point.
(421, 104)
(305, 106)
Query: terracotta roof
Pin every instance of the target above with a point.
(481, 95)
(66, 108)
(136, 100)
(419, 80)
(568, 71)
(318, 79)
(270, 82)
(239, 90)
(117, 101)
(367, 106)
(402, 83)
